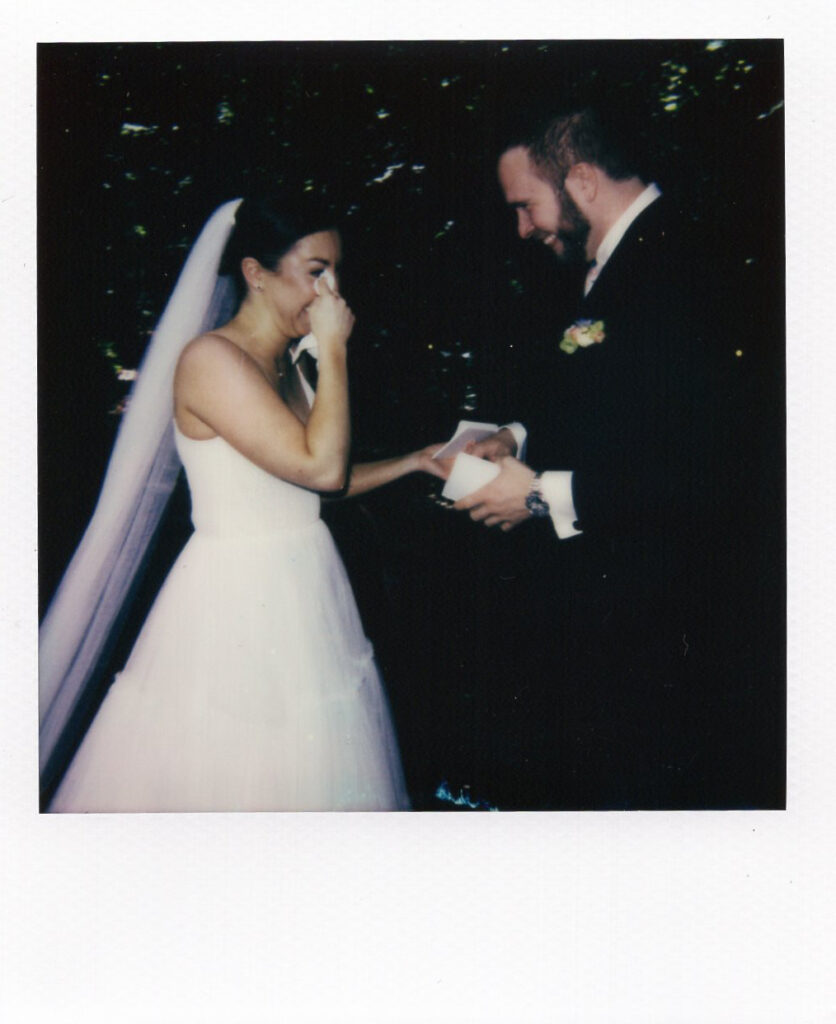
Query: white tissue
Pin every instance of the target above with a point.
(309, 342)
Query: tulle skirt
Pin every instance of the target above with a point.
(251, 687)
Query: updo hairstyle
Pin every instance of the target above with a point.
(266, 229)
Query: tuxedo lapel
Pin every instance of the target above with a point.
(627, 267)
(601, 392)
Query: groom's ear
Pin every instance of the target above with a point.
(582, 183)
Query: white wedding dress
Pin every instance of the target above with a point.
(252, 686)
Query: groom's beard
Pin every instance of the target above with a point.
(572, 231)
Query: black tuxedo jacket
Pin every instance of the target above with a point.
(643, 622)
(641, 418)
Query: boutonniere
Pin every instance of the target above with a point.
(582, 334)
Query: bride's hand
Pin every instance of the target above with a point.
(330, 318)
(425, 463)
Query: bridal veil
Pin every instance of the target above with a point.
(93, 594)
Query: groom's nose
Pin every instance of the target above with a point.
(524, 224)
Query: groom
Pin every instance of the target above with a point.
(647, 698)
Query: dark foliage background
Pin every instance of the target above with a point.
(138, 143)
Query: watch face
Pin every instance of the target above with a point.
(536, 505)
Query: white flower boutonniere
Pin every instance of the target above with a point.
(582, 334)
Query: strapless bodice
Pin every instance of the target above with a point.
(231, 496)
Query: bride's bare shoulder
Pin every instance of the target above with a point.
(209, 351)
(212, 364)
(212, 343)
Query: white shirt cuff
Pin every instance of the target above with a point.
(556, 486)
(520, 435)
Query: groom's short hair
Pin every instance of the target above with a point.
(584, 136)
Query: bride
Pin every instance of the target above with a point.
(251, 685)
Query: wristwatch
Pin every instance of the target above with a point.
(534, 500)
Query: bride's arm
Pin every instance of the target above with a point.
(220, 384)
(366, 476)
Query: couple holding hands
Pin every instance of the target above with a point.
(252, 686)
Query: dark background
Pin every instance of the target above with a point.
(138, 143)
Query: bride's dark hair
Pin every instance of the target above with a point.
(267, 227)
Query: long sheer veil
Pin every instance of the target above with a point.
(140, 477)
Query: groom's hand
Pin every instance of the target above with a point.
(495, 447)
(502, 501)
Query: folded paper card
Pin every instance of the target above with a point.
(467, 432)
(467, 475)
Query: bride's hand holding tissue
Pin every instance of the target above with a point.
(331, 319)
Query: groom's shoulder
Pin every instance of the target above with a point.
(664, 242)
(663, 225)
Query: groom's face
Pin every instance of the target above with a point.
(542, 215)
